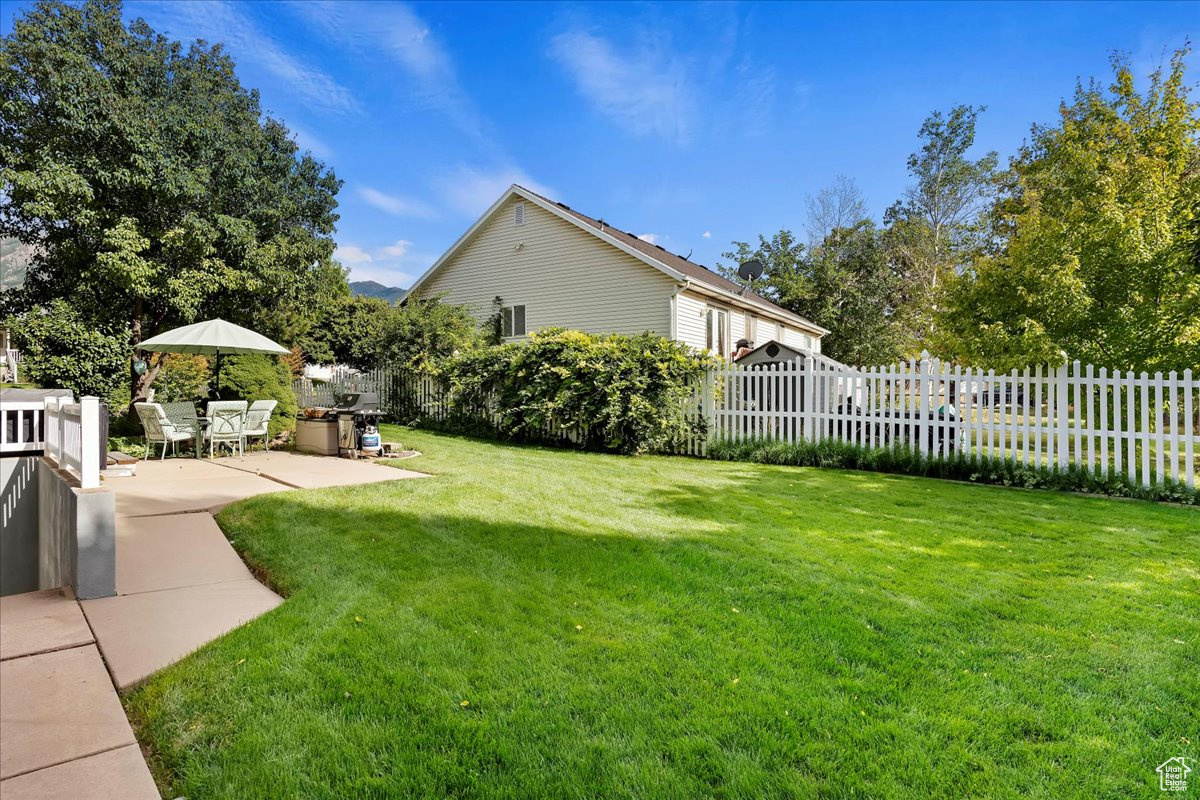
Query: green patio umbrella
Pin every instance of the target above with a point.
(212, 337)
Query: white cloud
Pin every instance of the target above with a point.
(394, 204)
(394, 32)
(397, 250)
(470, 191)
(644, 91)
(225, 22)
(652, 238)
(396, 264)
(706, 235)
(350, 255)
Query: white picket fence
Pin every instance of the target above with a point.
(1140, 426)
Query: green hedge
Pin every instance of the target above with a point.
(904, 461)
(255, 377)
(626, 394)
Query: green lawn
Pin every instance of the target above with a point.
(543, 623)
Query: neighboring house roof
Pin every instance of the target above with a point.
(681, 269)
(772, 350)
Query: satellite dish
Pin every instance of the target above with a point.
(750, 271)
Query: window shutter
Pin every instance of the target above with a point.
(518, 320)
(519, 213)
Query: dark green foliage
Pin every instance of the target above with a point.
(62, 350)
(419, 333)
(350, 331)
(182, 378)
(846, 283)
(627, 394)
(151, 185)
(255, 377)
(366, 332)
(834, 454)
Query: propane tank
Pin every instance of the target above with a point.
(371, 443)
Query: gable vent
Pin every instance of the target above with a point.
(519, 214)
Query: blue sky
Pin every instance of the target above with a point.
(694, 124)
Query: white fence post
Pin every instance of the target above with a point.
(89, 442)
(810, 399)
(923, 404)
(1061, 412)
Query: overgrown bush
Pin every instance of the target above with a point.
(627, 394)
(260, 377)
(902, 460)
(182, 378)
(61, 350)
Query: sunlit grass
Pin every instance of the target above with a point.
(544, 623)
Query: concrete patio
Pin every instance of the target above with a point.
(179, 585)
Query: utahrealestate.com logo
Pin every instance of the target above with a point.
(1172, 775)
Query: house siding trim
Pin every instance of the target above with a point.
(685, 282)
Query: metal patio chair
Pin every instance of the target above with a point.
(226, 423)
(160, 429)
(257, 420)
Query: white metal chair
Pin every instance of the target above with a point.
(257, 420)
(226, 423)
(159, 429)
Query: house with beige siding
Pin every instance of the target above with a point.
(551, 266)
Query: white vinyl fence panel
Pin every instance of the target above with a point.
(1140, 426)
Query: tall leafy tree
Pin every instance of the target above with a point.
(854, 291)
(149, 183)
(936, 228)
(846, 283)
(1105, 232)
(783, 257)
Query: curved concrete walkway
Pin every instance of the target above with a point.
(180, 585)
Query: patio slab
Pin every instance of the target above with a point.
(317, 472)
(41, 622)
(114, 773)
(144, 495)
(56, 707)
(174, 551)
(140, 634)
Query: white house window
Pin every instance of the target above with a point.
(716, 323)
(513, 321)
(519, 214)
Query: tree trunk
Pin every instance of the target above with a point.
(139, 385)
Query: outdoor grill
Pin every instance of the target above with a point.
(355, 411)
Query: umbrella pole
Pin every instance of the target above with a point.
(218, 373)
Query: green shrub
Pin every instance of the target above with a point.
(60, 350)
(182, 378)
(260, 377)
(626, 394)
(976, 469)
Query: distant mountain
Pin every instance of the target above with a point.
(14, 263)
(375, 289)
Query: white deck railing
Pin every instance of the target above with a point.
(21, 426)
(72, 440)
